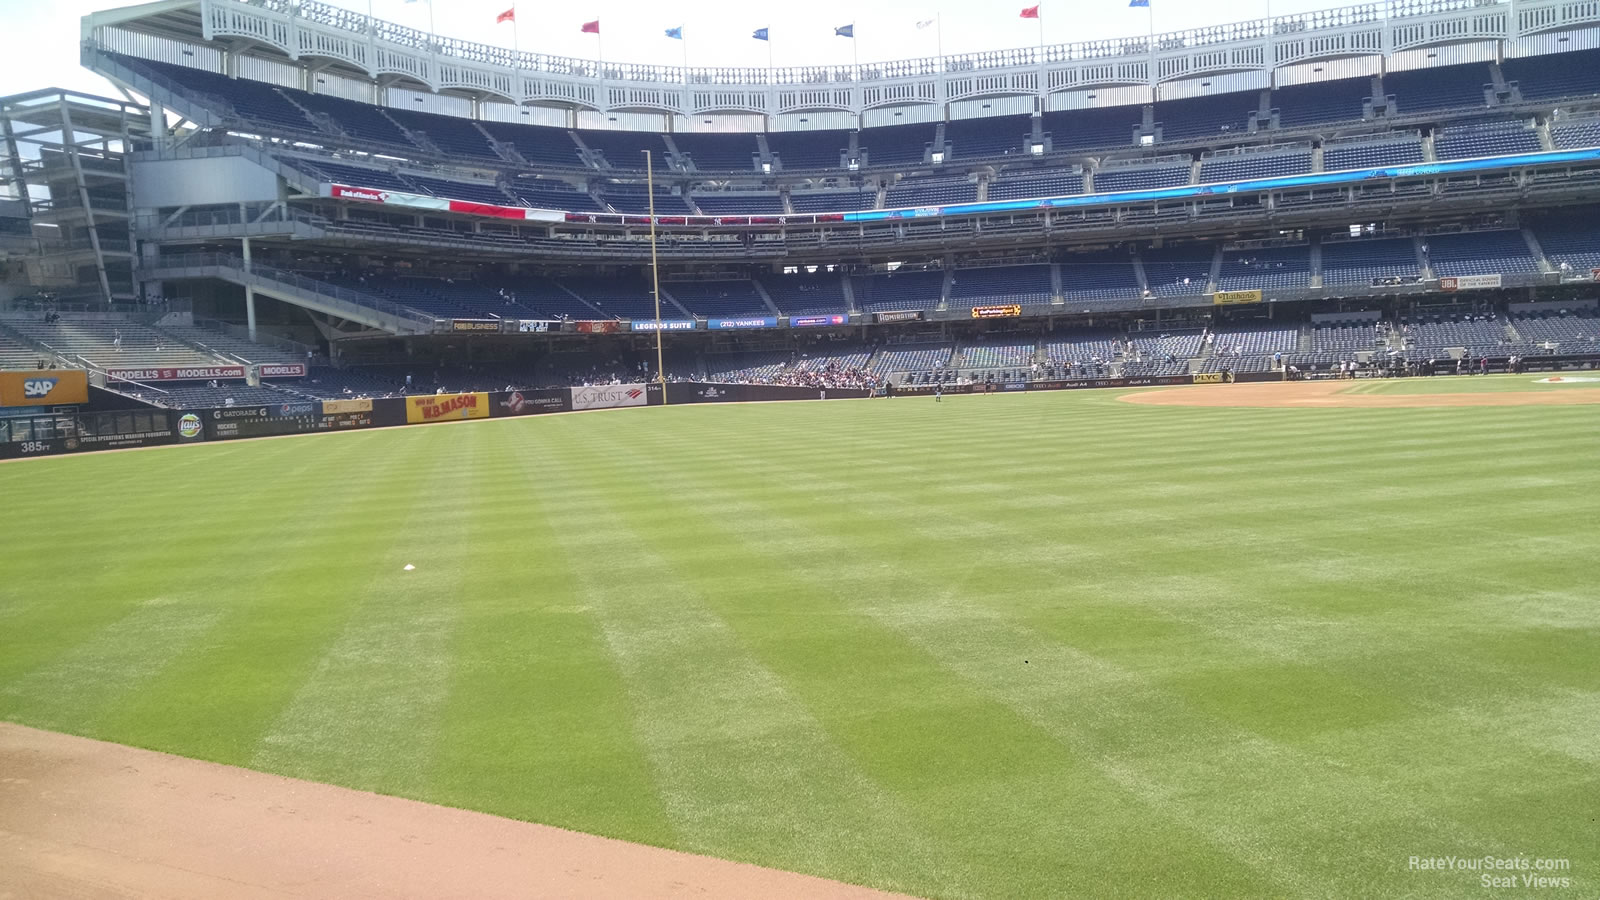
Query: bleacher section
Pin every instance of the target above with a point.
(1083, 347)
(1497, 139)
(1027, 285)
(1344, 338)
(1266, 268)
(15, 354)
(760, 366)
(1180, 347)
(1359, 262)
(1001, 353)
(95, 340)
(1255, 340)
(1480, 253)
(1577, 331)
(226, 344)
(1432, 336)
(911, 358)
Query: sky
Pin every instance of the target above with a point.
(41, 50)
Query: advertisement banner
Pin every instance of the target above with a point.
(1595, 273)
(191, 428)
(750, 322)
(1208, 378)
(1004, 311)
(1226, 298)
(602, 326)
(490, 326)
(666, 325)
(530, 403)
(608, 396)
(446, 407)
(905, 315)
(338, 407)
(195, 373)
(292, 370)
(537, 326)
(1469, 283)
(54, 387)
(815, 321)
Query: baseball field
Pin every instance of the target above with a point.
(996, 646)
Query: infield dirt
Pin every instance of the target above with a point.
(84, 818)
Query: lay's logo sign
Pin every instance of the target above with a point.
(66, 387)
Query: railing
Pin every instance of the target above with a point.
(362, 301)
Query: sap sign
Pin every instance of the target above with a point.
(666, 325)
(814, 321)
(44, 388)
(752, 322)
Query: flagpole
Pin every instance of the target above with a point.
(516, 40)
(938, 31)
(431, 29)
(1041, 32)
(655, 272)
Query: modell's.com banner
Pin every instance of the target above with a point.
(446, 407)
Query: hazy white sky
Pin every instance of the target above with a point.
(41, 45)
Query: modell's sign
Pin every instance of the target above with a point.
(292, 370)
(445, 407)
(198, 373)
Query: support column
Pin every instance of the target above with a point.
(250, 310)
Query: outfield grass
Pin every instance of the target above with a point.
(1005, 646)
(1479, 384)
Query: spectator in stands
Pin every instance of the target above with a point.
(116, 340)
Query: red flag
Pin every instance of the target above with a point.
(509, 15)
(591, 27)
(1031, 12)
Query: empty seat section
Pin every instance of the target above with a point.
(720, 204)
(475, 191)
(1177, 271)
(549, 194)
(1543, 77)
(627, 298)
(538, 144)
(1360, 262)
(911, 358)
(1020, 184)
(1138, 178)
(1499, 139)
(798, 150)
(1242, 166)
(719, 152)
(999, 353)
(1575, 135)
(1570, 241)
(625, 149)
(896, 145)
(1092, 129)
(718, 298)
(456, 136)
(1027, 285)
(832, 201)
(635, 199)
(1395, 151)
(930, 191)
(1343, 100)
(801, 295)
(1480, 253)
(1265, 268)
(361, 121)
(988, 137)
(899, 291)
(353, 176)
(1198, 118)
(1087, 279)
(1447, 87)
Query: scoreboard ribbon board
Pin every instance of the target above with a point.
(1005, 311)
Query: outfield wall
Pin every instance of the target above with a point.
(62, 432)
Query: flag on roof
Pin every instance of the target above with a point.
(848, 31)
(591, 27)
(1031, 12)
(509, 15)
(924, 24)
(760, 34)
(675, 33)
(1144, 3)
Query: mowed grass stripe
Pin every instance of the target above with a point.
(744, 770)
(287, 593)
(948, 640)
(964, 765)
(539, 724)
(367, 716)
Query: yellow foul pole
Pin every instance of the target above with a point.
(655, 272)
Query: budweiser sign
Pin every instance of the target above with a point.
(196, 373)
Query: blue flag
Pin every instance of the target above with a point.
(675, 33)
(1144, 3)
(848, 31)
(760, 34)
